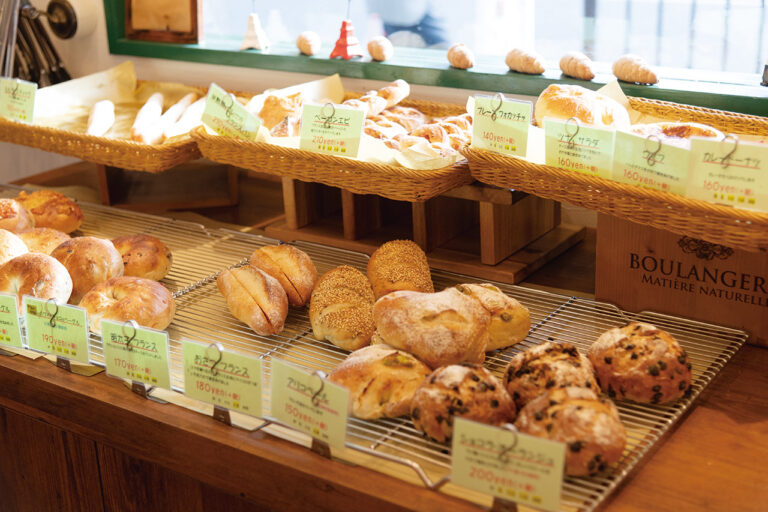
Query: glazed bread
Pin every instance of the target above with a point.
(341, 308)
(124, 298)
(144, 256)
(43, 240)
(589, 427)
(561, 101)
(89, 261)
(399, 265)
(14, 217)
(547, 366)
(292, 268)
(466, 390)
(381, 381)
(11, 246)
(641, 362)
(438, 328)
(255, 298)
(510, 320)
(38, 275)
(52, 210)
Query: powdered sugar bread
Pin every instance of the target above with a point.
(510, 320)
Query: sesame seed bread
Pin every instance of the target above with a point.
(399, 265)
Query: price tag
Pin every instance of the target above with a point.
(226, 116)
(222, 378)
(10, 332)
(510, 465)
(573, 146)
(309, 403)
(331, 129)
(648, 162)
(729, 172)
(17, 100)
(501, 125)
(57, 329)
(136, 353)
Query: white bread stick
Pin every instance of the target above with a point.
(147, 117)
(192, 117)
(102, 118)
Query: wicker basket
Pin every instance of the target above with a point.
(720, 224)
(359, 177)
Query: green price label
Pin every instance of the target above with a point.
(222, 378)
(331, 129)
(57, 329)
(309, 403)
(574, 146)
(649, 163)
(510, 465)
(501, 125)
(10, 331)
(136, 353)
(730, 173)
(17, 100)
(227, 117)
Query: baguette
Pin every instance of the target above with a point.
(147, 118)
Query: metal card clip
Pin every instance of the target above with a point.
(726, 160)
(499, 96)
(129, 339)
(573, 121)
(652, 154)
(52, 321)
(327, 117)
(219, 348)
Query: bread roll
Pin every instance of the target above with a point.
(381, 381)
(633, 68)
(124, 298)
(524, 62)
(43, 240)
(38, 275)
(460, 57)
(144, 256)
(10, 246)
(255, 298)
(577, 65)
(308, 42)
(510, 320)
(438, 328)
(590, 107)
(14, 217)
(399, 265)
(52, 210)
(341, 308)
(101, 118)
(292, 268)
(380, 48)
(89, 261)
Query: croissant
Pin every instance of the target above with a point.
(577, 65)
(461, 57)
(524, 62)
(633, 68)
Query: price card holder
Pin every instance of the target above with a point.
(649, 163)
(512, 467)
(10, 330)
(309, 403)
(729, 172)
(331, 129)
(57, 329)
(224, 115)
(573, 146)
(501, 125)
(17, 100)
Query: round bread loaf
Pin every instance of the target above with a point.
(10, 246)
(14, 217)
(589, 427)
(510, 320)
(146, 302)
(52, 210)
(562, 101)
(399, 265)
(89, 261)
(466, 390)
(547, 366)
(292, 268)
(255, 298)
(38, 275)
(341, 308)
(43, 240)
(641, 362)
(381, 381)
(144, 256)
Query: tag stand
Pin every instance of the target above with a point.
(63, 363)
(222, 414)
(6, 353)
(141, 389)
(500, 505)
(321, 448)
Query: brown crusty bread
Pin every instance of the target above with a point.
(89, 261)
(292, 267)
(43, 240)
(399, 265)
(144, 256)
(510, 320)
(38, 275)
(52, 210)
(255, 298)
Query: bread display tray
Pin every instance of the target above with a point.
(720, 224)
(393, 446)
(390, 181)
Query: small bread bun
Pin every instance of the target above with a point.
(563, 101)
(10, 246)
(460, 56)
(510, 320)
(146, 302)
(308, 42)
(380, 48)
(634, 69)
(341, 308)
(399, 265)
(89, 261)
(144, 256)
(52, 210)
(255, 298)
(589, 427)
(43, 240)
(468, 391)
(381, 381)
(38, 275)
(14, 217)
(292, 268)
(524, 61)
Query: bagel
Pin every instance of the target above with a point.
(144, 256)
(35, 274)
(10, 246)
(52, 210)
(89, 261)
(14, 217)
(43, 240)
